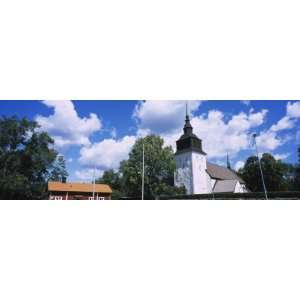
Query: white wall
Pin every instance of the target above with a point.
(240, 188)
(191, 173)
(183, 173)
(200, 180)
(210, 183)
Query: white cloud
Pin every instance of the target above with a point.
(220, 136)
(246, 102)
(293, 109)
(87, 175)
(243, 122)
(282, 124)
(66, 127)
(162, 116)
(107, 153)
(289, 120)
(268, 140)
(239, 164)
(281, 156)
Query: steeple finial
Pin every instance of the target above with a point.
(228, 162)
(188, 129)
(187, 110)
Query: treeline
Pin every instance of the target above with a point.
(278, 175)
(27, 160)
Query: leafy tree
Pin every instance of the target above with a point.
(113, 179)
(59, 171)
(289, 175)
(274, 171)
(297, 173)
(26, 156)
(159, 169)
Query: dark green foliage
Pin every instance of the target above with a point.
(297, 173)
(116, 194)
(275, 174)
(113, 179)
(25, 158)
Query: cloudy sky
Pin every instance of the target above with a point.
(101, 133)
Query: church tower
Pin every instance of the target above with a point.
(191, 162)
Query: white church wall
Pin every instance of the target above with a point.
(211, 183)
(183, 173)
(240, 188)
(200, 181)
(191, 173)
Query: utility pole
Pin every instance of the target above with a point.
(94, 181)
(259, 163)
(143, 172)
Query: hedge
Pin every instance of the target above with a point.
(291, 195)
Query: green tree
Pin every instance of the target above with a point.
(26, 156)
(159, 169)
(59, 170)
(290, 175)
(297, 172)
(112, 178)
(274, 171)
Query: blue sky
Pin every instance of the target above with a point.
(101, 133)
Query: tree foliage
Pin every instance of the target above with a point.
(59, 171)
(159, 171)
(26, 155)
(276, 174)
(297, 173)
(113, 179)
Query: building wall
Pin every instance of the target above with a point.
(77, 196)
(201, 183)
(183, 173)
(240, 188)
(210, 183)
(191, 173)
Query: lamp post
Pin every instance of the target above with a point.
(143, 172)
(259, 163)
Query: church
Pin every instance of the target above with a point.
(196, 174)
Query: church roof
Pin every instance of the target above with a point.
(222, 173)
(225, 186)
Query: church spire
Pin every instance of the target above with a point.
(228, 162)
(188, 129)
(188, 141)
(186, 109)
